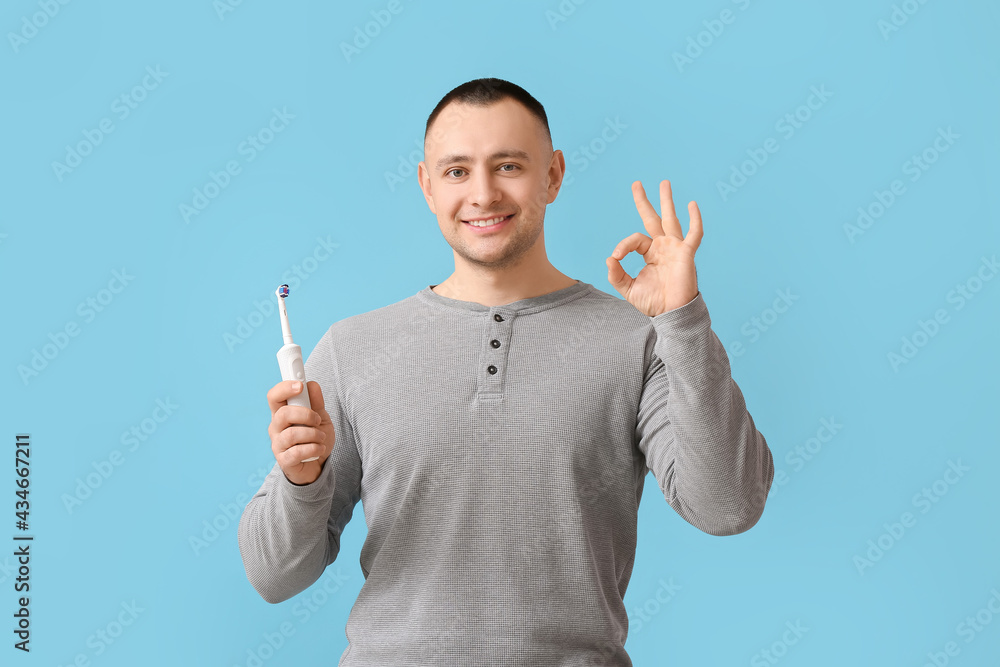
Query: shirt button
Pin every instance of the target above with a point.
(492, 369)
(495, 343)
(497, 317)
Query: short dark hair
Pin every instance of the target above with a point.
(486, 92)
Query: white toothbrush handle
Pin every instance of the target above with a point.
(290, 363)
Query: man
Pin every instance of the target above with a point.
(498, 427)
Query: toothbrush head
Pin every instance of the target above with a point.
(282, 291)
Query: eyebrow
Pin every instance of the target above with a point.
(506, 153)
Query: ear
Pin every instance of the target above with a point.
(425, 185)
(557, 169)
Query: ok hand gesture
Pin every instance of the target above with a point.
(668, 280)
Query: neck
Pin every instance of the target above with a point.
(496, 288)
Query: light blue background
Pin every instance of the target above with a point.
(324, 177)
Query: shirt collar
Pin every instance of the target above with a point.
(521, 306)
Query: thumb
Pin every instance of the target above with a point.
(316, 400)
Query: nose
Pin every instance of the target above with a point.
(483, 188)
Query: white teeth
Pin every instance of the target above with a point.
(486, 223)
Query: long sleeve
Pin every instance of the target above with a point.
(288, 533)
(700, 442)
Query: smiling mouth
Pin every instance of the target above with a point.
(490, 222)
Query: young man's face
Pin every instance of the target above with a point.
(489, 162)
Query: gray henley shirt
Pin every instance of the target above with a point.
(499, 453)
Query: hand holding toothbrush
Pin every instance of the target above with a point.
(301, 438)
(298, 432)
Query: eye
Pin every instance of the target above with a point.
(451, 170)
(508, 164)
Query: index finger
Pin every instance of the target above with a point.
(279, 394)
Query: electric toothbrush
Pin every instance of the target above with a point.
(290, 357)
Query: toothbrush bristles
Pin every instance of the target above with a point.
(283, 291)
